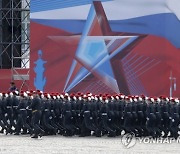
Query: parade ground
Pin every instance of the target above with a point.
(77, 145)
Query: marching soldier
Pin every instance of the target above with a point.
(40, 114)
(2, 113)
(174, 122)
(36, 116)
(22, 116)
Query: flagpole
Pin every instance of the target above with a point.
(172, 84)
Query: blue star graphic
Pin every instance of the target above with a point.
(97, 46)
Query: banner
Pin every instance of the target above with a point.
(107, 46)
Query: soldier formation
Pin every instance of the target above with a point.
(39, 114)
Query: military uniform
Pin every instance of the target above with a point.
(36, 116)
(85, 115)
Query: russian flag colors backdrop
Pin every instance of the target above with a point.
(105, 46)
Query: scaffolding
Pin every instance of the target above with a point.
(15, 40)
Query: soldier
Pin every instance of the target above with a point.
(85, 108)
(74, 114)
(22, 116)
(158, 125)
(95, 110)
(144, 107)
(2, 113)
(46, 115)
(7, 102)
(68, 118)
(58, 103)
(137, 114)
(134, 116)
(164, 105)
(79, 113)
(52, 111)
(128, 115)
(174, 123)
(36, 116)
(105, 120)
(88, 124)
(140, 116)
(112, 115)
(15, 103)
(29, 110)
(151, 118)
(120, 107)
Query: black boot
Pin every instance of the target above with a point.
(34, 136)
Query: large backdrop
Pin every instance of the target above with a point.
(107, 46)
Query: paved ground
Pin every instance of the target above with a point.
(11, 144)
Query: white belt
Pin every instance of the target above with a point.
(104, 113)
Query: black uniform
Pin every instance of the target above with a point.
(2, 118)
(151, 120)
(36, 107)
(174, 122)
(8, 113)
(22, 117)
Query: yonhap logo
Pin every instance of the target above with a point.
(128, 140)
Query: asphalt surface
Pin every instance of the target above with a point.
(11, 144)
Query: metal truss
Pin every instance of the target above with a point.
(15, 41)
